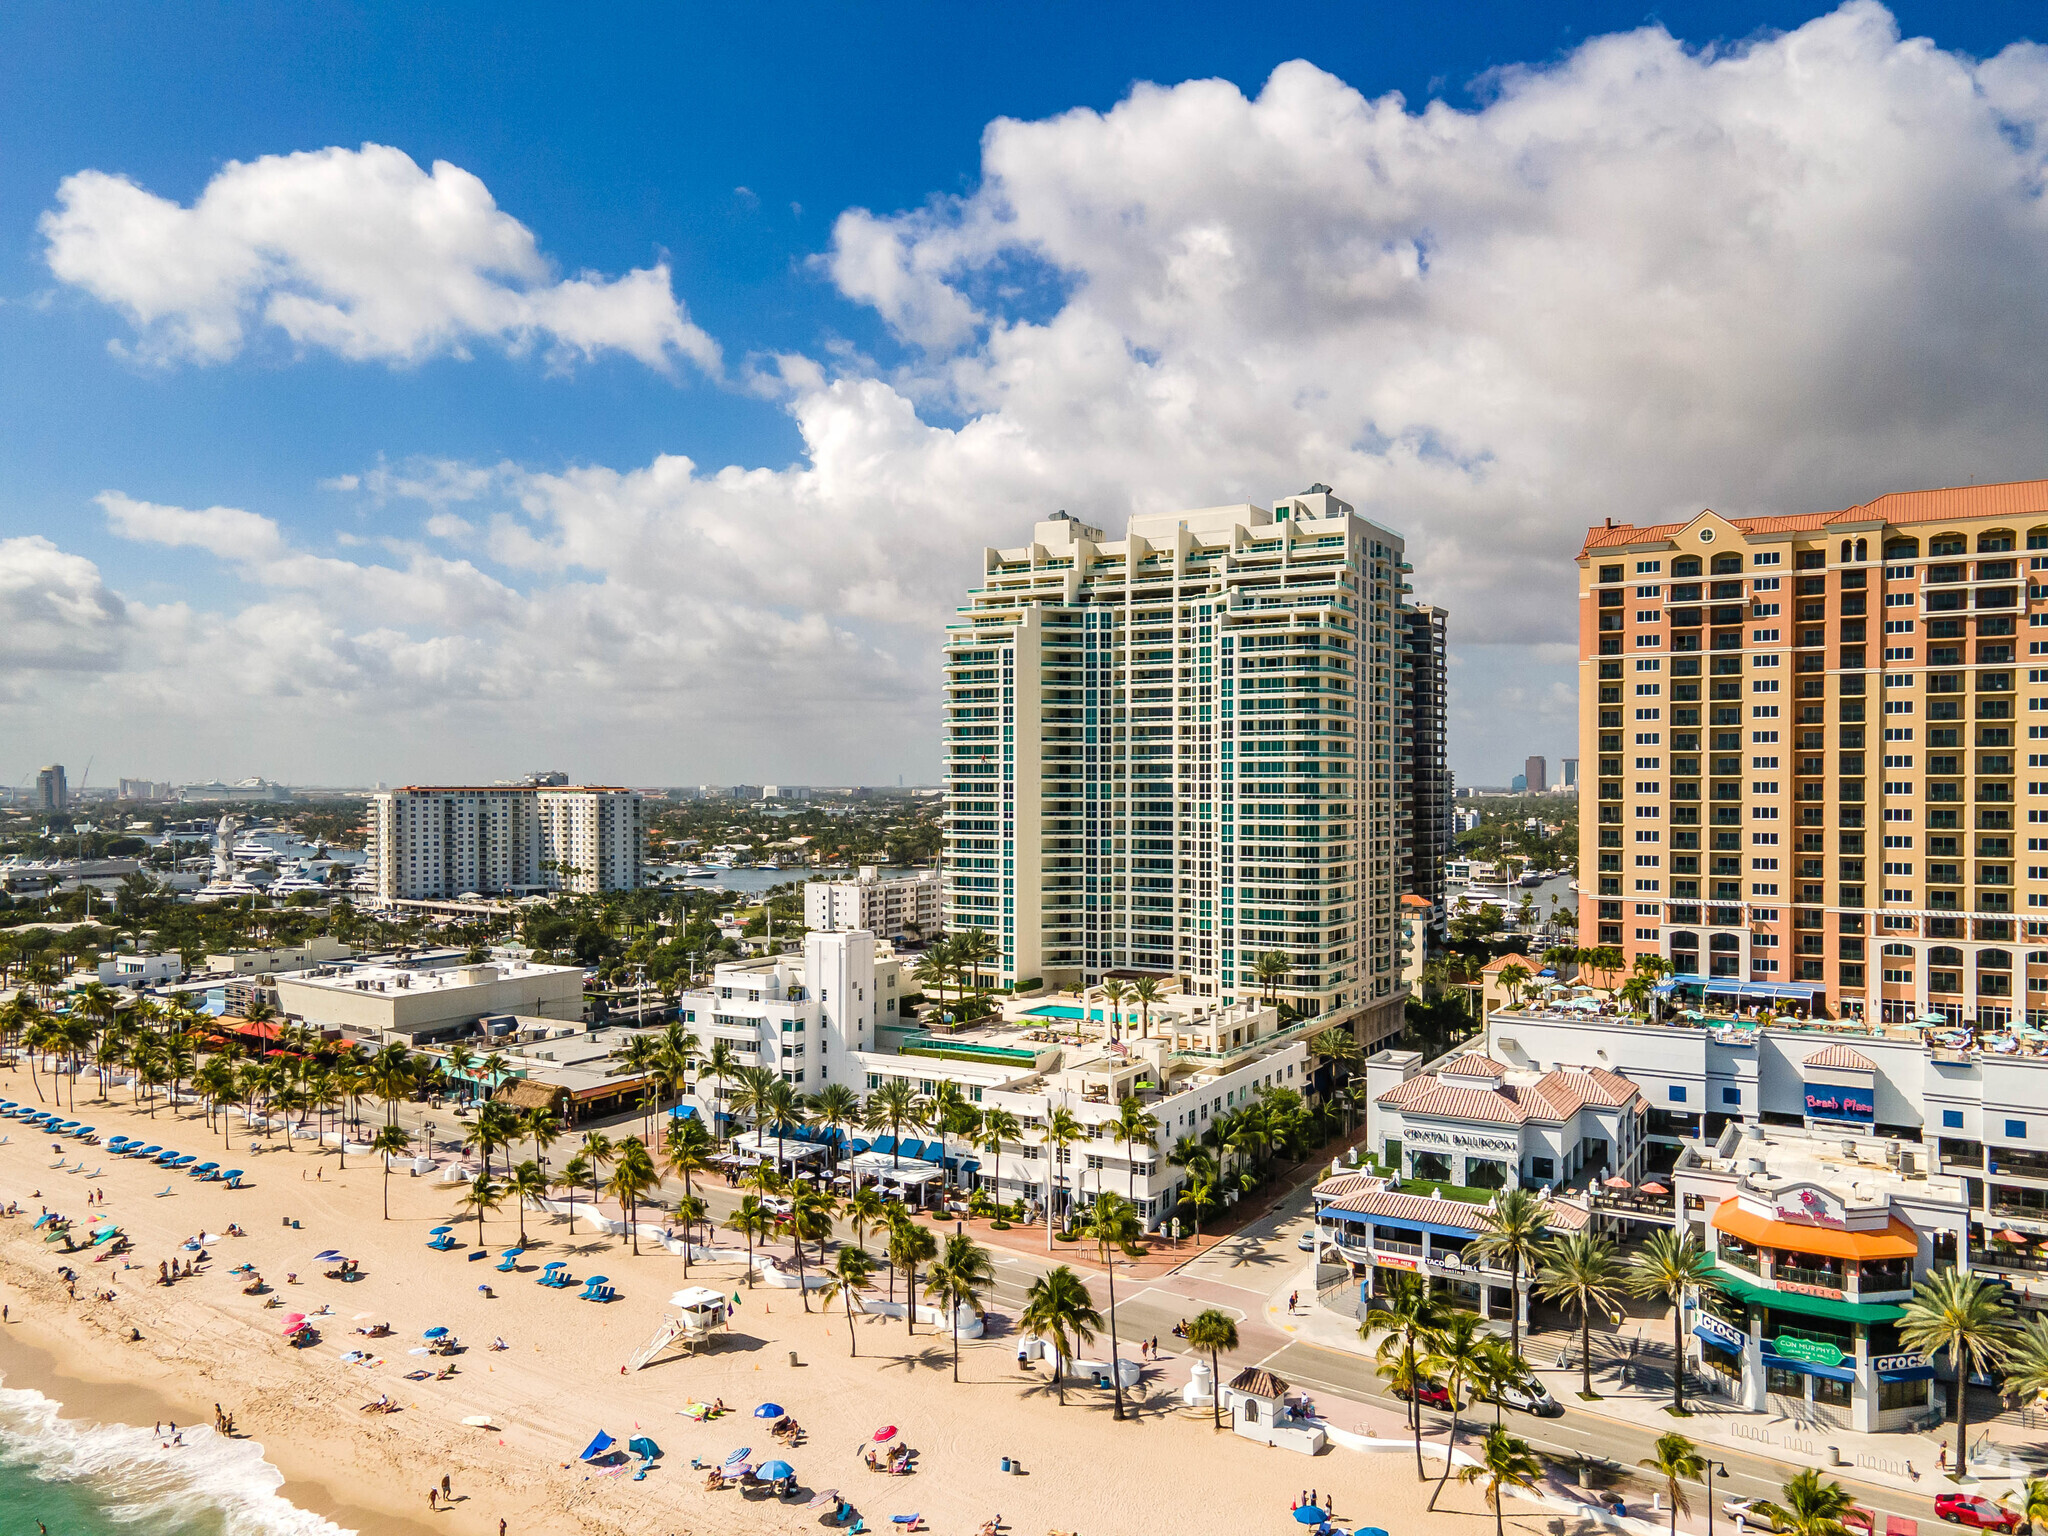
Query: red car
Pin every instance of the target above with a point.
(1430, 1393)
(1970, 1509)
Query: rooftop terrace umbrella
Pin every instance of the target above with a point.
(1617, 1183)
(597, 1447)
(1655, 1189)
(1310, 1514)
(770, 1471)
(768, 1411)
(2009, 1236)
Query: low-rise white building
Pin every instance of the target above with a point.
(141, 970)
(413, 1006)
(319, 950)
(902, 906)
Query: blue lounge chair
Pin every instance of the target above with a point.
(554, 1275)
(206, 1171)
(184, 1164)
(146, 1152)
(443, 1243)
(116, 1143)
(233, 1178)
(511, 1260)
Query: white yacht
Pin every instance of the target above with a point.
(292, 882)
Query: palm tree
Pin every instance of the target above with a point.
(460, 1059)
(571, 1178)
(1579, 1272)
(835, 1107)
(691, 1212)
(781, 1106)
(852, 1274)
(482, 1196)
(1411, 1317)
(1113, 1223)
(1271, 969)
(997, 1127)
(1513, 977)
(719, 1063)
(687, 1151)
(1133, 1126)
(1062, 1130)
(2033, 1503)
(1967, 1315)
(1505, 1461)
(957, 1278)
(810, 1221)
(752, 1219)
(389, 1142)
(1456, 1358)
(1059, 1307)
(1678, 1461)
(632, 1177)
(1214, 1331)
(2026, 1361)
(526, 1183)
(1145, 992)
(1113, 993)
(596, 1151)
(1810, 1507)
(866, 1211)
(541, 1126)
(1669, 1264)
(911, 1244)
(893, 1107)
(1512, 1239)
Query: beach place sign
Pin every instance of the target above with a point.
(1832, 1101)
(1811, 1205)
(1810, 1351)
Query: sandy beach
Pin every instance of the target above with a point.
(560, 1380)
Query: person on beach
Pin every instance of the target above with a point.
(432, 1494)
(446, 1492)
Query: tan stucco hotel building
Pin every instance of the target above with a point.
(1819, 752)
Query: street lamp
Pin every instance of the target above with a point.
(1709, 1472)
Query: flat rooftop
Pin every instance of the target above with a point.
(1857, 1169)
(404, 979)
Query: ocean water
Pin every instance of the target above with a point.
(83, 1479)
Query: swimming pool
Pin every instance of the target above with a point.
(1062, 1011)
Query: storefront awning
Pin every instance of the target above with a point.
(1911, 1373)
(1715, 1340)
(1810, 1368)
(1752, 1295)
(1729, 986)
(1895, 1242)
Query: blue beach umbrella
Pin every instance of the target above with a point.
(597, 1447)
(1310, 1514)
(435, 1333)
(773, 1470)
(739, 1455)
(768, 1411)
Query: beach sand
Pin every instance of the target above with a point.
(560, 1381)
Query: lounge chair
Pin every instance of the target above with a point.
(908, 1522)
(442, 1243)
(511, 1262)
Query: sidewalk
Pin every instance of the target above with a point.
(1907, 1462)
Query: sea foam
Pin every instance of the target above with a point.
(207, 1483)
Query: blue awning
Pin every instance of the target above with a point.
(885, 1144)
(1716, 1340)
(856, 1147)
(1731, 986)
(970, 1166)
(1808, 1368)
(1911, 1373)
(683, 1111)
(953, 1164)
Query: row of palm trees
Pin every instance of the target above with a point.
(1968, 1315)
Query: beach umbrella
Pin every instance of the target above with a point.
(329, 1256)
(596, 1279)
(885, 1434)
(419, 1349)
(1368, 1530)
(640, 1445)
(435, 1333)
(598, 1446)
(1310, 1514)
(770, 1471)
(437, 1231)
(739, 1455)
(768, 1411)
(293, 1319)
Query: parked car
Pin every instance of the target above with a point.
(1307, 1241)
(1856, 1518)
(1975, 1510)
(1531, 1397)
(1430, 1393)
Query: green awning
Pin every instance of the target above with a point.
(1751, 1294)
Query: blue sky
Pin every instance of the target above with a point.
(1096, 309)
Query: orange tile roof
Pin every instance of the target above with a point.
(1556, 1096)
(1841, 1056)
(2014, 499)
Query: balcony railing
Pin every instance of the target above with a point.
(1799, 1274)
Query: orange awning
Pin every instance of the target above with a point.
(1895, 1242)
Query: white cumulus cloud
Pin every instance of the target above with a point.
(1781, 276)
(359, 252)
